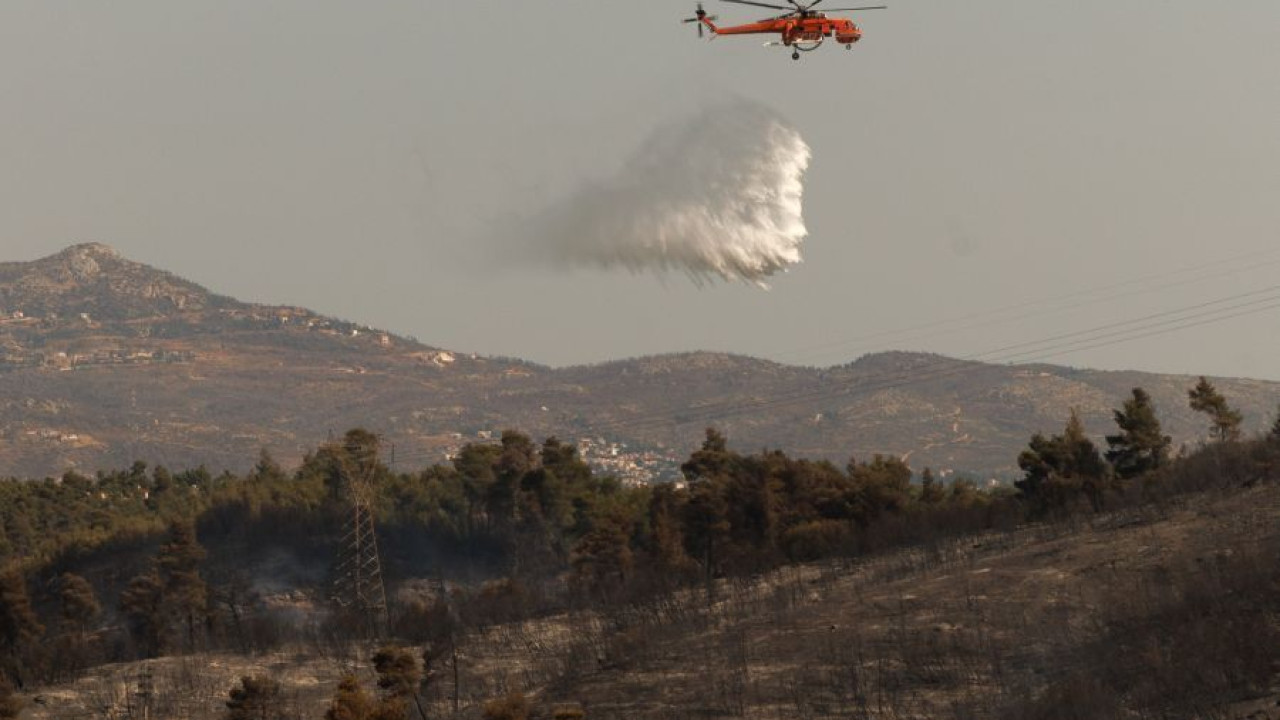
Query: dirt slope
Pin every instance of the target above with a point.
(104, 361)
(966, 629)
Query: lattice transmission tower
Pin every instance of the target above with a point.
(358, 587)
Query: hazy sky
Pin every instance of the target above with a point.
(969, 157)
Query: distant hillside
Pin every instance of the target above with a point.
(104, 361)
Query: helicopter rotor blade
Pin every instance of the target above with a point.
(695, 20)
(699, 18)
(758, 4)
(855, 9)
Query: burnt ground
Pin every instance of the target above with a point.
(966, 629)
(997, 626)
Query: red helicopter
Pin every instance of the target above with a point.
(803, 29)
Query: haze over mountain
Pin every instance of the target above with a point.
(104, 361)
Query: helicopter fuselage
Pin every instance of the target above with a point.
(810, 29)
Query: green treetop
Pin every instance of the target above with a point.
(1141, 445)
(1056, 467)
(1206, 399)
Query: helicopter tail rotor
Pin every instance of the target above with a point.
(702, 19)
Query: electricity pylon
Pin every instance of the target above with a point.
(358, 586)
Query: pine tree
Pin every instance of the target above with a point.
(78, 603)
(355, 457)
(602, 560)
(666, 544)
(931, 492)
(350, 702)
(178, 564)
(881, 486)
(256, 698)
(518, 458)
(1085, 463)
(20, 629)
(161, 482)
(1206, 399)
(142, 604)
(1274, 435)
(1058, 467)
(1037, 463)
(267, 469)
(361, 448)
(171, 592)
(1141, 446)
(706, 526)
(563, 459)
(79, 610)
(714, 460)
(755, 502)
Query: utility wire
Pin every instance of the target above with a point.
(1155, 324)
(998, 316)
(1053, 345)
(713, 413)
(939, 370)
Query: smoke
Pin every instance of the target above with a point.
(716, 196)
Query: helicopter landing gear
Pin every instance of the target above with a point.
(795, 54)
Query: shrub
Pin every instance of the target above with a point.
(814, 539)
(514, 706)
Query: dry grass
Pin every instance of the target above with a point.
(1152, 612)
(1135, 610)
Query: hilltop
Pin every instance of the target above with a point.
(96, 280)
(104, 361)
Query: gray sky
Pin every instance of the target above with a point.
(968, 157)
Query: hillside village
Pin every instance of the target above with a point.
(106, 361)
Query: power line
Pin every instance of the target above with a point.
(921, 373)
(1087, 339)
(1151, 325)
(998, 316)
(1270, 290)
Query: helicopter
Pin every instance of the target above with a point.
(802, 28)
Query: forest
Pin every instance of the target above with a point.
(149, 562)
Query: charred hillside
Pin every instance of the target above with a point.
(1160, 601)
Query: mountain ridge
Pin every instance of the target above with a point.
(104, 361)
